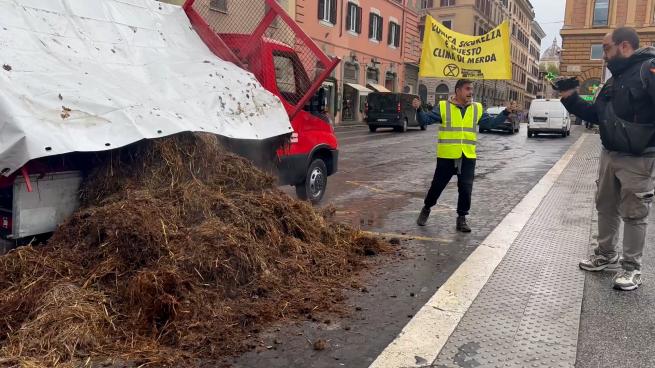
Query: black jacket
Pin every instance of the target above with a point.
(631, 94)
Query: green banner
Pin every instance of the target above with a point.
(589, 98)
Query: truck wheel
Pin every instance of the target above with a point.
(564, 134)
(313, 188)
(372, 128)
(529, 134)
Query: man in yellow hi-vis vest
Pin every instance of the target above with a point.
(459, 118)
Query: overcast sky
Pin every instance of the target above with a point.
(547, 12)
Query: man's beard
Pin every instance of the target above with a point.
(617, 64)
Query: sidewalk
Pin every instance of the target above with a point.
(527, 304)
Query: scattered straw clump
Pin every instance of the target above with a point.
(179, 252)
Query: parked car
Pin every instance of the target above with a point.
(512, 124)
(391, 110)
(548, 116)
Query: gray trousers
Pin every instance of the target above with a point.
(625, 191)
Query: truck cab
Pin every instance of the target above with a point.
(293, 73)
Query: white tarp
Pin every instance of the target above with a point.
(91, 75)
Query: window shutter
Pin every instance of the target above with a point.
(370, 26)
(321, 9)
(359, 20)
(390, 33)
(349, 16)
(397, 35)
(333, 11)
(430, 3)
(381, 24)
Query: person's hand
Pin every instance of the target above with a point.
(566, 86)
(416, 103)
(511, 107)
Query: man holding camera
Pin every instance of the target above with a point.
(625, 113)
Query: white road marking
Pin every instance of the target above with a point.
(426, 334)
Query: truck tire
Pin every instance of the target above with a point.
(564, 134)
(313, 189)
(529, 134)
(372, 128)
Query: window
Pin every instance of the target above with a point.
(351, 72)
(375, 27)
(372, 76)
(441, 92)
(423, 93)
(421, 32)
(448, 24)
(447, 2)
(390, 81)
(218, 5)
(394, 34)
(285, 74)
(354, 18)
(596, 52)
(327, 11)
(601, 12)
(427, 4)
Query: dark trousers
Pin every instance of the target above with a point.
(442, 175)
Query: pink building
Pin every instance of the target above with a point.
(377, 41)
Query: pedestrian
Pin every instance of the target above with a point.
(625, 114)
(456, 146)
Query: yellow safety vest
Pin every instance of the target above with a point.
(457, 135)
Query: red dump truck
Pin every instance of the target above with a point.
(80, 107)
(262, 38)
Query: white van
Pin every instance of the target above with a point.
(548, 116)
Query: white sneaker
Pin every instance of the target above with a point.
(597, 262)
(627, 280)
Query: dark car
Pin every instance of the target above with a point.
(512, 124)
(391, 110)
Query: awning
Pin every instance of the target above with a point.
(359, 87)
(378, 87)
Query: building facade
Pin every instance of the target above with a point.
(477, 17)
(585, 24)
(377, 41)
(522, 15)
(535, 84)
(550, 64)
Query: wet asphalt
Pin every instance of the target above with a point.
(380, 187)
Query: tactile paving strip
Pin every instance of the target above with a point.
(528, 313)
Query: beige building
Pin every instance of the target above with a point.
(522, 14)
(585, 24)
(535, 84)
(550, 64)
(477, 17)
